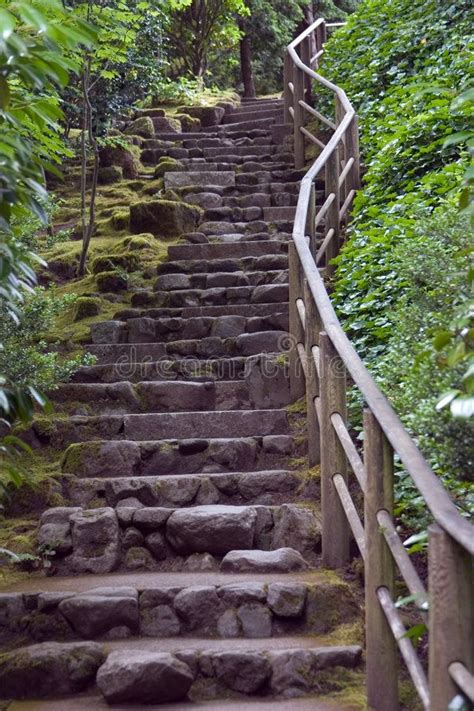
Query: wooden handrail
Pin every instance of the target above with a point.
(325, 354)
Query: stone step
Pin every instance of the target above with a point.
(96, 702)
(125, 355)
(279, 213)
(254, 609)
(212, 134)
(178, 179)
(246, 310)
(271, 263)
(265, 294)
(131, 536)
(260, 199)
(135, 672)
(265, 150)
(139, 428)
(230, 250)
(269, 488)
(238, 117)
(259, 365)
(174, 396)
(103, 458)
(146, 329)
(177, 281)
(248, 124)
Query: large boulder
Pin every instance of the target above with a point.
(199, 607)
(95, 540)
(144, 678)
(49, 669)
(125, 157)
(208, 115)
(142, 126)
(211, 529)
(166, 125)
(245, 672)
(164, 218)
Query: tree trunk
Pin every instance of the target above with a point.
(246, 67)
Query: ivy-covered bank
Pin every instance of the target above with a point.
(402, 284)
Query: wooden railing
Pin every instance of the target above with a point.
(321, 357)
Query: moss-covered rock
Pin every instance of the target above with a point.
(125, 157)
(127, 261)
(164, 217)
(144, 241)
(85, 307)
(167, 125)
(110, 174)
(142, 126)
(208, 115)
(153, 113)
(188, 123)
(111, 281)
(120, 220)
(168, 165)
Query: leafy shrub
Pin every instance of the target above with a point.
(400, 278)
(26, 360)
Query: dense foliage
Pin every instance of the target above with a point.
(402, 277)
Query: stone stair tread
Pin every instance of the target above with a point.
(97, 703)
(150, 580)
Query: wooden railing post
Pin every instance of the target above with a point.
(287, 95)
(310, 228)
(382, 657)
(352, 150)
(298, 117)
(335, 527)
(312, 330)
(332, 215)
(297, 379)
(306, 59)
(450, 589)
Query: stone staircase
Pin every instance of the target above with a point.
(186, 567)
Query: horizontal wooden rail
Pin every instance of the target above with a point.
(321, 359)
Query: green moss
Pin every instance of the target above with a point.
(168, 165)
(164, 217)
(110, 174)
(111, 281)
(126, 261)
(86, 306)
(188, 123)
(120, 220)
(142, 126)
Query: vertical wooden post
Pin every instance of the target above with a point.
(352, 150)
(335, 527)
(310, 228)
(451, 614)
(332, 215)
(298, 85)
(306, 59)
(382, 657)
(287, 95)
(297, 380)
(312, 330)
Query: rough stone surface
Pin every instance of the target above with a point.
(144, 678)
(283, 560)
(211, 529)
(91, 615)
(256, 620)
(198, 606)
(240, 671)
(286, 599)
(95, 539)
(159, 621)
(164, 217)
(49, 669)
(297, 528)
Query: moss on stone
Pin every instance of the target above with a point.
(142, 126)
(126, 261)
(125, 157)
(188, 123)
(86, 306)
(111, 281)
(168, 165)
(120, 220)
(165, 218)
(110, 174)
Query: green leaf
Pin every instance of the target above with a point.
(7, 24)
(4, 93)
